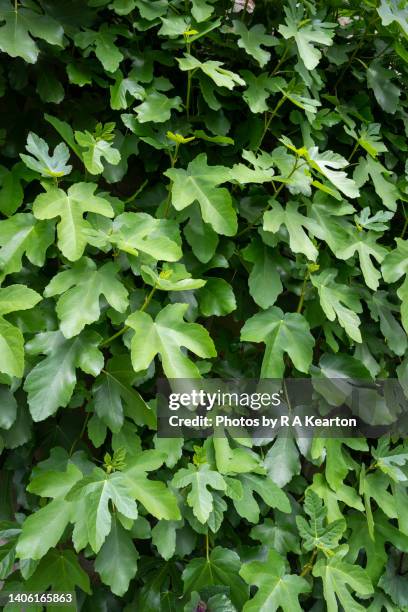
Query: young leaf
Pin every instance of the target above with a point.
(314, 533)
(41, 161)
(98, 146)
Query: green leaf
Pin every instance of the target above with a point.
(365, 245)
(23, 234)
(282, 461)
(272, 495)
(307, 35)
(385, 91)
(221, 568)
(252, 39)
(213, 69)
(43, 529)
(8, 403)
(51, 382)
(116, 562)
(149, 9)
(65, 131)
(337, 575)
(200, 236)
(14, 298)
(49, 88)
(395, 264)
(173, 277)
(165, 336)
(382, 310)
(260, 87)
(164, 538)
(294, 222)
(159, 238)
(15, 39)
(104, 46)
(375, 550)
(11, 192)
(200, 499)
(393, 583)
(279, 535)
(329, 165)
(276, 588)
(155, 496)
(124, 86)
(59, 570)
(81, 288)
(339, 301)
(282, 333)
(157, 108)
(264, 280)
(216, 298)
(73, 230)
(314, 533)
(202, 9)
(96, 491)
(392, 11)
(96, 149)
(386, 190)
(41, 161)
(200, 183)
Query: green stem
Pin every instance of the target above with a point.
(173, 159)
(280, 62)
(139, 190)
(309, 566)
(404, 229)
(302, 293)
(189, 77)
(353, 152)
(207, 547)
(268, 122)
(75, 442)
(126, 327)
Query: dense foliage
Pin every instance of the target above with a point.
(200, 188)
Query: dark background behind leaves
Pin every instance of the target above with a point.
(207, 188)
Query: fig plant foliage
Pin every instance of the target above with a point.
(199, 188)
